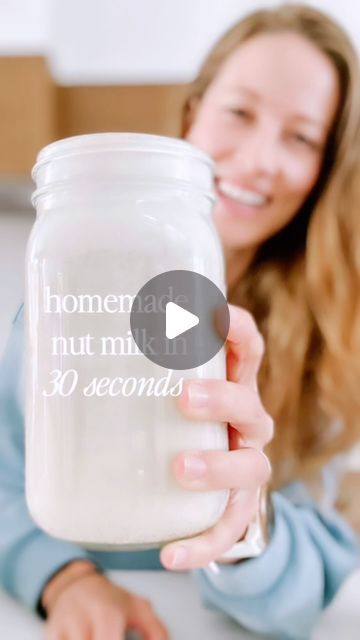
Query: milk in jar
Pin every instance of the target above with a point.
(113, 211)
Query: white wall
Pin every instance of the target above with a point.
(24, 26)
(102, 41)
(151, 40)
(136, 40)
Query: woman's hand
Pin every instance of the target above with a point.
(244, 468)
(92, 607)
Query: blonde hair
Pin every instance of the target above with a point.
(303, 286)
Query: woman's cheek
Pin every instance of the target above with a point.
(302, 175)
(212, 134)
(201, 132)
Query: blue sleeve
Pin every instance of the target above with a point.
(28, 556)
(282, 592)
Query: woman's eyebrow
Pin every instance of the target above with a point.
(250, 92)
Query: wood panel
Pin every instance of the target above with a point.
(146, 108)
(34, 111)
(27, 112)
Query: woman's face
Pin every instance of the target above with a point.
(264, 120)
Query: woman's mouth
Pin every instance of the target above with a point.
(240, 200)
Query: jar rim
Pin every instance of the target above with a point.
(118, 141)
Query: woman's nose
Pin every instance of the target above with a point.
(259, 154)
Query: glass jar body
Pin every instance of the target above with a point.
(99, 446)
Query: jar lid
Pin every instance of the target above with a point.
(121, 156)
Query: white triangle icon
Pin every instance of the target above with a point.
(178, 320)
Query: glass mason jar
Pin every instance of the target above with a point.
(113, 211)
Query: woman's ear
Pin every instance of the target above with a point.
(190, 109)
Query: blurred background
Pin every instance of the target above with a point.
(73, 66)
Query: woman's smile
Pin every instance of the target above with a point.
(239, 200)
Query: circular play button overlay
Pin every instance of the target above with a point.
(179, 319)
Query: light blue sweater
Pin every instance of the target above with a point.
(281, 593)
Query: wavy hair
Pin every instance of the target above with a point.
(303, 287)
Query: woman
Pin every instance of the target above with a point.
(277, 107)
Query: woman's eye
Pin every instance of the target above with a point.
(305, 140)
(240, 113)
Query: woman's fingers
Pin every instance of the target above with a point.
(146, 621)
(236, 400)
(245, 347)
(243, 469)
(108, 625)
(140, 616)
(72, 630)
(224, 401)
(200, 550)
(216, 470)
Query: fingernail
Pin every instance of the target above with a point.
(179, 556)
(194, 467)
(198, 395)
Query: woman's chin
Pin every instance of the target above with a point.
(235, 235)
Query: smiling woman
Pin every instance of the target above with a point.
(272, 118)
(276, 105)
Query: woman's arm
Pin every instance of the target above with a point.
(28, 556)
(283, 591)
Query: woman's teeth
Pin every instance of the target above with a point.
(244, 196)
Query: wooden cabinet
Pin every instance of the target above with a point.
(34, 111)
(27, 112)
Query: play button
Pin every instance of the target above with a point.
(179, 319)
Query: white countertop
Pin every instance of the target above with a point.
(173, 594)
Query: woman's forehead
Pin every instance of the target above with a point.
(283, 68)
